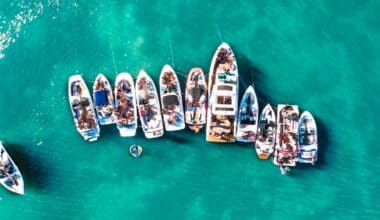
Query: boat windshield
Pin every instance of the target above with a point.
(225, 87)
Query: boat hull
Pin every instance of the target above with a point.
(196, 99)
(82, 109)
(125, 105)
(248, 117)
(171, 100)
(307, 139)
(266, 133)
(223, 94)
(148, 106)
(10, 177)
(285, 153)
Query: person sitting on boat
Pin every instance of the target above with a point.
(99, 85)
(77, 90)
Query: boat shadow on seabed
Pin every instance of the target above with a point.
(33, 169)
(249, 74)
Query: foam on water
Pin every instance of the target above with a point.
(10, 28)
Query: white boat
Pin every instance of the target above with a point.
(307, 139)
(285, 153)
(125, 105)
(196, 99)
(266, 133)
(171, 100)
(103, 100)
(223, 87)
(10, 175)
(148, 106)
(82, 109)
(247, 120)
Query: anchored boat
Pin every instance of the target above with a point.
(285, 154)
(103, 100)
(82, 109)
(196, 99)
(307, 139)
(266, 133)
(248, 117)
(223, 96)
(148, 106)
(171, 100)
(125, 105)
(10, 175)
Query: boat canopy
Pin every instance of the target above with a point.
(170, 100)
(100, 98)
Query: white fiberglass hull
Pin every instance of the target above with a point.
(125, 105)
(171, 100)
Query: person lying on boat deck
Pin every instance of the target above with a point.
(86, 120)
(107, 111)
(247, 135)
(169, 80)
(99, 85)
(142, 83)
(224, 55)
(173, 118)
(124, 86)
(76, 89)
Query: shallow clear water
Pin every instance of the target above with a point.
(322, 55)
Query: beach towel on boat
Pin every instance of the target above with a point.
(100, 98)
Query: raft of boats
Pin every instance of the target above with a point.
(213, 103)
(291, 138)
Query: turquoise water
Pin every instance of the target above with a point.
(323, 55)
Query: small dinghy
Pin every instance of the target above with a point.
(266, 133)
(125, 105)
(10, 176)
(248, 117)
(171, 100)
(149, 106)
(307, 139)
(285, 153)
(103, 100)
(223, 91)
(135, 150)
(196, 101)
(82, 109)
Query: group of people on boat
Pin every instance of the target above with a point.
(8, 172)
(288, 136)
(125, 110)
(221, 127)
(169, 82)
(225, 60)
(6, 167)
(148, 110)
(83, 114)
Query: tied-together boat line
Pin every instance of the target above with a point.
(213, 102)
